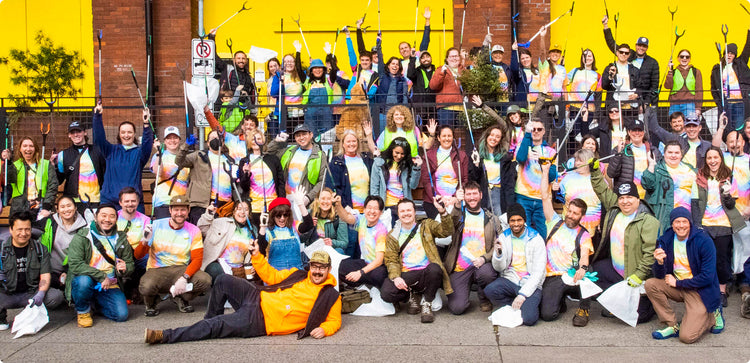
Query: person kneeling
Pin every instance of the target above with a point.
(295, 301)
(685, 270)
(97, 257)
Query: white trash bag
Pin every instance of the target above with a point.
(622, 301)
(588, 288)
(377, 307)
(437, 302)
(506, 317)
(30, 321)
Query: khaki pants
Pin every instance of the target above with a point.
(696, 320)
(158, 281)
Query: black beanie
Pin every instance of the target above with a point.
(516, 210)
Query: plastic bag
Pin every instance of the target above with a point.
(587, 287)
(30, 321)
(437, 302)
(261, 55)
(622, 301)
(377, 307)
(446, 241)
(741, 248)
(336, 257)
(507, 317)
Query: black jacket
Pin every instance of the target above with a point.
(274, 164)
(420, 77)
(71, 167)
(622, 166)
(647, 83)
(609, 84)
(740, 69)
(508, 175)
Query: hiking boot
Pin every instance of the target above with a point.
(666, 333)
(183, 305)
(485, 307)
(84, 320)
(745, 309)
(427, 316)
(413, 303)
(724, 299)
(153, 336)
(719, 324)
(4, 324)
(607, 314)
(581, 318)
(151, 303)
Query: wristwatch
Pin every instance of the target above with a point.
(186, 276)
(584, 267)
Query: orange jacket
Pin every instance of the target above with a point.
(286, 311)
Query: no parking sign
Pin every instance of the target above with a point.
(203, 57)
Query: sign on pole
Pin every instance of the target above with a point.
(203, 57)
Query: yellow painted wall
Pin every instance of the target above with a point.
(66, 22)
(260, 26)
(702, 21)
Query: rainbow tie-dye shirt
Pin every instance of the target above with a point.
(581, 81)
(518, 259)
(617, 241)
(169, 247)
(168, 168)
(296, 166)
(493, 171)
(414, 256)
(371, 239)
(640, 157)
(561, 247)
(714, 214)
(237, 247)
(558, 81)
(574, 185)
(691, 155)
(88, 183)
(359, 179)
(445, 177)
(260, 173)
(134, 227)
(97, 261)
(472, 240)
(681, 264)
(32, 192)
(237, 147)
(685, 189)
(221, 183)
(731, 83)
(529, 181)
(394, 190)
(740, 179)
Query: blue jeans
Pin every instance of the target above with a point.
(736, 113)
(534, 213)
(495, 201)
(284, 254)
(503, 291)
(111, 302)
(688, 109)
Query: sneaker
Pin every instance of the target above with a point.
(607, 314)
(427, 316)
(151, 310)
(183, 305)
(724, 299)
(666, 333)
(84, 320)
(719, 324)
(485, 307)
(153, 336)
(581, 318)
(414, 300)
(4, 324)
(745, 309)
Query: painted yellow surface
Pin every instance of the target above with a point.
(66, 22)
(700, 19)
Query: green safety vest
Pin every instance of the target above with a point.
(40, 180)
(306, 94)
(233, 120)
(411, 138)
(313, 164)
(679, 81)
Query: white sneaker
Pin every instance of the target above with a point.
(4, 326)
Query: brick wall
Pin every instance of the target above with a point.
(124, 46)
(533, 14)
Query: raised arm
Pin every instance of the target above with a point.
(549, 210)
(343, 213)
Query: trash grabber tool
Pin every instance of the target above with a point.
(159, 153)
(463, 22)
(366, 8)
(184, 93)
(135, 80)
(44, 136)
(281, 73)
(747, 11)
(463, 102)
(99, 39)
(606, 10)
(6, 194)
(526, 45)
(378, 16)
(233, 15)
(567, 35)
(416, 19)
(302, 34)
(443, 29)
(569, 127)
(236, 74)
(336, 41)
(427, 162)
(671, 54)
(148, 70)
(721, 70)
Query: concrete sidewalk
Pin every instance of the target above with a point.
(399, 338)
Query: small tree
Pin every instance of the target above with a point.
(47, 74)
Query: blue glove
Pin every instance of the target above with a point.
(190, 141)
(98, 286)
(39, 298)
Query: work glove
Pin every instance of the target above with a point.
(475, 157)
(327, 48)
(593, 164)
(634, 281)
(39, 297)
(297, 46)
(190, 141)
(282, 137)
(528, 128)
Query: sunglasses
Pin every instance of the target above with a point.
(538, 129)
(614, 111)
(684, 56)
(285, 215)
(626, 52)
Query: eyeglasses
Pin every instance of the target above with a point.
(538, 129)
(318, 266)
(624, 52)
(684, 56)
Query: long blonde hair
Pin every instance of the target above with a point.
(315, 208)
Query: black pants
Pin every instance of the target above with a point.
(608, 277)
(425, 281)
(247, 321)
(724, 246)
(553, 296)
(461, 282)
(373, 278)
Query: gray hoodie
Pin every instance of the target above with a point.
(63, 236)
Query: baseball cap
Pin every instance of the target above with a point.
(170, 130)
(692, 120)
(556, 47)
(513, 109)
(301, 128)
(75, 125)
(637, 125)
(179, 200)
(498, 48)
(627, 188)
(642, 41)
(320, 257)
